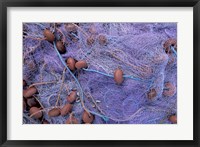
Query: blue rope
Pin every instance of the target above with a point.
(132, 77)
(92, 70)
(81, 90)
(172, 48)
(105, 118)
(75, 35)
(105, 74)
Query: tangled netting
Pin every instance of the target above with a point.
(135, 48)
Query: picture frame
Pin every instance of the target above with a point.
(195, 4)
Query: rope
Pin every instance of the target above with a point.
(79, 86)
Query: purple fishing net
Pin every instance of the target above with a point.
(135, 48)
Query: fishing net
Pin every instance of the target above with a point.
(147, 94)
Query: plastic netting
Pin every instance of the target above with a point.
(135, 48)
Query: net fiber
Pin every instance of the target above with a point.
(146, 96)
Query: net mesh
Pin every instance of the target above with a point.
(136, 48)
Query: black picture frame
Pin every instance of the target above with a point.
(4, 4)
